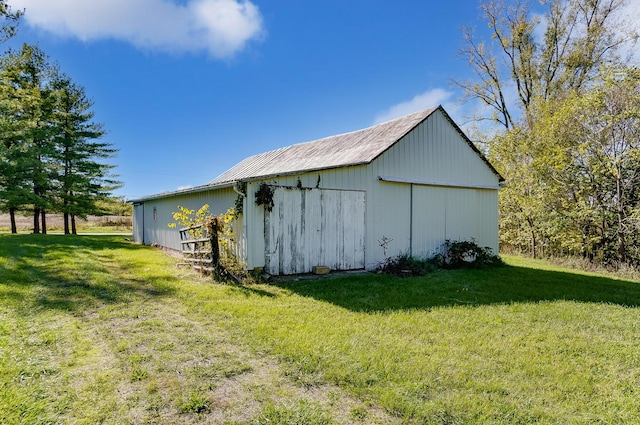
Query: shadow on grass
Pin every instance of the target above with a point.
(501, 285)
(69, 272)
(248, 291)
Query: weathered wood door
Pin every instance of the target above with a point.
(314, 227)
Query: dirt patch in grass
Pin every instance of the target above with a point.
(243, 397)
(156, 361)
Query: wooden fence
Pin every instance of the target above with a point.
(201, 249)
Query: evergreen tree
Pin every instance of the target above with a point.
(82, 178)
(50, 156)
(25, 77)
(15, 190)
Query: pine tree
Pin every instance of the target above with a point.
(27, 104)
(82, 178)
(50, 156)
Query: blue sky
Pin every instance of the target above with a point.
(188, 88)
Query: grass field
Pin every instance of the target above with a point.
(94, 329)
(55, 224)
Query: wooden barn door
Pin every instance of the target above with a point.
(314, 227)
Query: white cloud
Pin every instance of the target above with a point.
(421, 101)
(219, 27)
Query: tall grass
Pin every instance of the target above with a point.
(97, 330)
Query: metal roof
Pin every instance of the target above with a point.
(348, 149)
(354, 148)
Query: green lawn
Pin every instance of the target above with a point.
(94, 329)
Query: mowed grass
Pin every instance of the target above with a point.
(94, 329)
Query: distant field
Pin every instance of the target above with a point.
(95, 329)
(55, 222)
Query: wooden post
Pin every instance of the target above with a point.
(215, 248)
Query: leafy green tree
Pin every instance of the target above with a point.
(565, 104)
(574, 175)
(601, 131)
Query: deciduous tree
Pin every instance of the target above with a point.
(536, 57)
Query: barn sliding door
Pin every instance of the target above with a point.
(455, 214)
(314, 227)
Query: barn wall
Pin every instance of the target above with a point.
(156, 214)
(435, 151)
(253, 220)
(456, 214)
(452, 192)
(402, 217)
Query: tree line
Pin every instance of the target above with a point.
(565, 97)
(51, 158)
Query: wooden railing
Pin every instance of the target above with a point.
(201, 252)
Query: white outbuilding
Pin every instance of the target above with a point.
(348, 201)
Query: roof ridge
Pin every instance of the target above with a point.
(261, 165)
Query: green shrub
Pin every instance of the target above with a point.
(461, 254)
(453, 255)
(406, 265)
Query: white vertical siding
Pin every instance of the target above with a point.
(138, 222)
(253, 216)
(454, 214)
(436, 152)
(429, 215)
(156, 225)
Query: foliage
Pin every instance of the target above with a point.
(201, 223)
(574, 175)
(264, 196)
(568, 148)
(460, 254)
(115, 206)
(49, 158)
(579, 37)
(83, 180)
(239, 202)
(406, 265)
(10, 21)
(453, 255)
(195, 219)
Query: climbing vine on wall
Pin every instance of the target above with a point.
(264, 196)
(239, 202)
